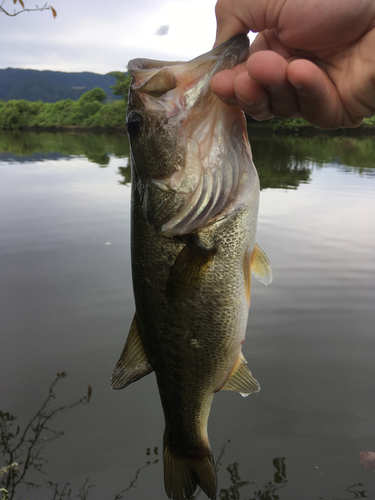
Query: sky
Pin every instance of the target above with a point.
(102, 36)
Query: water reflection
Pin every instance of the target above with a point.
(125, 172)
(332, 428)
(65, 492)
(22, 452)
(276, 167)
(286, 162)
(282, 162)
(22, 448)
(121, 495)
(97, 148)
(267, 492)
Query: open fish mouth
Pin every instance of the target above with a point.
(156, 78)
(208, 171)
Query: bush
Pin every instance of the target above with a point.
(94, 95)
(113, 115)
(18, 114)
(88, 111)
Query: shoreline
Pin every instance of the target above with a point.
(252, 129)
(267, 131)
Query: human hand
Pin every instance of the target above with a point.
(311, 58)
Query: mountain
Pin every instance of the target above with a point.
(51, 86)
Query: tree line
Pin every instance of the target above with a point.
(89, 110)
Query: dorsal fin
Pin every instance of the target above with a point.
(241, 379)
(133, 363)
(261, 266)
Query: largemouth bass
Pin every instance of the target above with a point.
(195, 196)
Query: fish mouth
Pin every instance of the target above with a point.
(157, 78)
(227, 55)
(213, 160)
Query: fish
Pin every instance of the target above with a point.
(194, 211)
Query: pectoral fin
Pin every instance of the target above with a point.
(241, 379)
(133, 363)
(260, 265)
(247, 276)
(188, 268)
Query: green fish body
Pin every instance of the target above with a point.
(195, 196)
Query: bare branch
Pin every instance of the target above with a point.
(15, 13)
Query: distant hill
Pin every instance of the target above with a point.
(51, 86)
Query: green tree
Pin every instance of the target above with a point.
(18, 114)
(88, 107)
(94, 95)
(24, 9)
(121, 87)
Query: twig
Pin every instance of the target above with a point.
(15, 13)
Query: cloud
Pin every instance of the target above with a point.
(87, 37)
(162, 30)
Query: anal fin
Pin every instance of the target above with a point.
(133, 363)
(241, 379)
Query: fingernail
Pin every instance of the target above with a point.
(296, 85)
(258, 110)
(230, 102)
(256, 106)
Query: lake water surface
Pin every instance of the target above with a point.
(66, 305)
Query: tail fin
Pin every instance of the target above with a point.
(182, 474)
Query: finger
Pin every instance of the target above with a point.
(231, 28)
(318, 99)
(223, 83)
(252, 97)
(228, 24)
(269, 70)
(238, 16)
(268, 40)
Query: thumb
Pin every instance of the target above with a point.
(227, 27)
(234, 17)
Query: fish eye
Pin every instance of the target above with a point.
(134, 124)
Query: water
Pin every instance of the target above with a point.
(66, 307)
